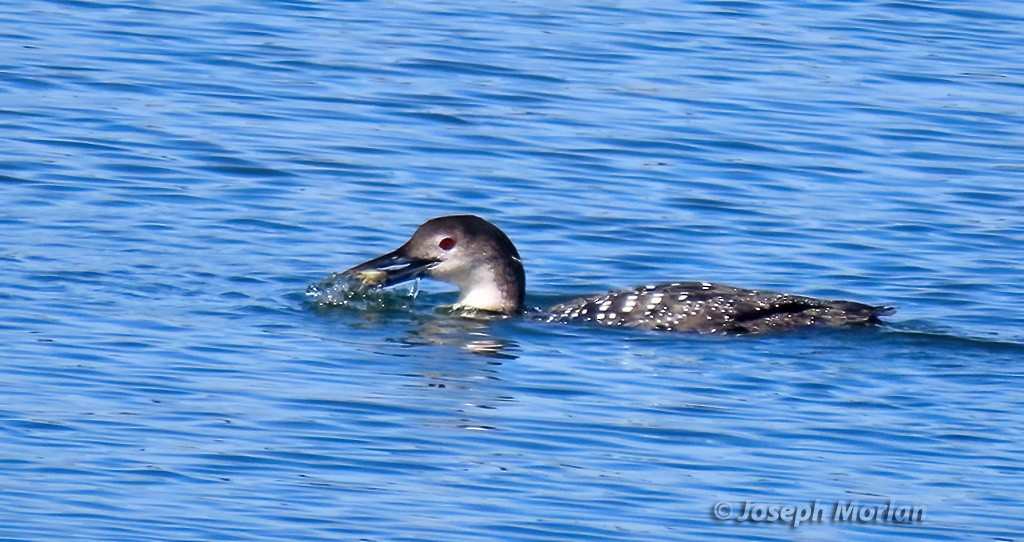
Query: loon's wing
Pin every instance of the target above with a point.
(713, 308)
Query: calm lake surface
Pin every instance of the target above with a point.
(174, 175)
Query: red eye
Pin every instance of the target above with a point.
(447, 243)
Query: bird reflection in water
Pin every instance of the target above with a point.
(455, 330)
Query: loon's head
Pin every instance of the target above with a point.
(464, 250)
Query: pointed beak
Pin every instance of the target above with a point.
(390, 269)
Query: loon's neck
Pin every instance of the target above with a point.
(499, 286)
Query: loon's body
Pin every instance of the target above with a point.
(481, 260)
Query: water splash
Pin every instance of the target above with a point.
(339, 290)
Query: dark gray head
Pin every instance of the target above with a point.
(464, 250)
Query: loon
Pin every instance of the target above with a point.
(476, 256)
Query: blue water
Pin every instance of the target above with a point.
(174, 175)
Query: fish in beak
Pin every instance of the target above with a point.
(390, 269)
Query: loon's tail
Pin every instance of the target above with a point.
(883, 310)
